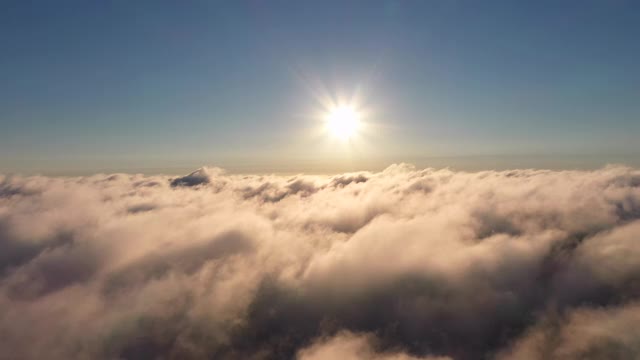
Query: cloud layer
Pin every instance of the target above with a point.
(401, 264)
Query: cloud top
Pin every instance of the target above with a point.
(401, 264)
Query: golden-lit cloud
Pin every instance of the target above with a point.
(399, 264)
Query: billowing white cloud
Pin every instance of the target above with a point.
(584, 333)
(349, 346)
(400, 264)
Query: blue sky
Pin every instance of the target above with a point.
(92, 85)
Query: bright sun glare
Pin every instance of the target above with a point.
(343, 122)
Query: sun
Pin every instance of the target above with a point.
(343, 122)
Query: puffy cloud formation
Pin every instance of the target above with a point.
(348, 346)
(401, 264)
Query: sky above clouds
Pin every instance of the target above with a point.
(146, 85)
(402, 264)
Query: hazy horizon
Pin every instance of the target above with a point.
(331, 166)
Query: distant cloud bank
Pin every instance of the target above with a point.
(403, 264)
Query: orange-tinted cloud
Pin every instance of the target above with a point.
(400, 264)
